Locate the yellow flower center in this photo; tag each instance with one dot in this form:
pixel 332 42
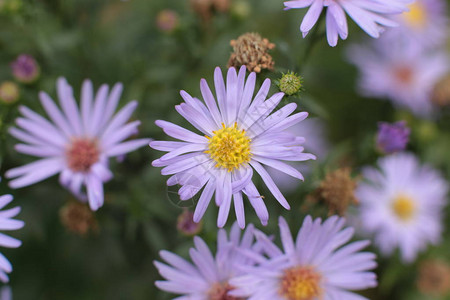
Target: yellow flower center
pixel 229 147
pixel 416 17
pixel 404 207
pixel 301 283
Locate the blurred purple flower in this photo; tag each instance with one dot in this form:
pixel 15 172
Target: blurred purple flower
pixel 403 72
pixel 401 204
pixel 240 134
pixel 371 15
pixel 25 68
pixel 8 223
pixel 426 23
pixel 392 137
pixel 77 144
pixel 316 266
pixel 208 276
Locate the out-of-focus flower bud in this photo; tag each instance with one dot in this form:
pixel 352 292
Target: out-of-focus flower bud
pixel 186 224
pixel 9 92
pixel 392 138
pixel 240 9
pixel 426 131
pixel 167 20
pixel 25 68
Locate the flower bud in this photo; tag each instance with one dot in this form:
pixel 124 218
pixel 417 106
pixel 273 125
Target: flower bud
pixel 9 92
pixel 25 68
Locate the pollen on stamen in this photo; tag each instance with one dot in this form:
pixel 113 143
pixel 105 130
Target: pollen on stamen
pixel 229 147
pixel 82 154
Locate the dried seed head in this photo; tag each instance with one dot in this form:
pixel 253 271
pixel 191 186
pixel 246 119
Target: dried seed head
pixel 441 92
pixel 251 50
pixel 78 218
pixel 337 191
pixel 434 278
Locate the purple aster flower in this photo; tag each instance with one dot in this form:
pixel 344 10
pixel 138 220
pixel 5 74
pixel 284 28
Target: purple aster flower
pixel 77 143
pixel 403 72
pixel 25 68
pixel 401 204
pixel 371 15
pixel 392 137
pixel 426 23
pixel 240 133
pixel 8 223
pixel 318 265
pixel 208 277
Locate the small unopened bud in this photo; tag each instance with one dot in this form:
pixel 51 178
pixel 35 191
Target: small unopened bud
pixel 167 20
pixel 441 92
pixel 25 69
pixel 392 138
pixel 251 50
pixel 9 92
pixel 434 278
pixel 240 9
pixel 290 83
pixel 186 224
pixel 78 218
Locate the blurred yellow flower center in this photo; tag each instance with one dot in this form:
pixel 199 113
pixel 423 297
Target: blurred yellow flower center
pixel 229 147
pixel 416 17
pixel 82 154
pixel 301 283
pixel 404 207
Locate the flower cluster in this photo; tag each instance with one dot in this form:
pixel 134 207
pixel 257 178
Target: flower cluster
pixel 319 264
pixel 408 62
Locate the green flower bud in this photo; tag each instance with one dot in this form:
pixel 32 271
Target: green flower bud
pixel 290 83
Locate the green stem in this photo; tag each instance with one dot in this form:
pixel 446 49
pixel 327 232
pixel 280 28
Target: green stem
pixel 313 39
